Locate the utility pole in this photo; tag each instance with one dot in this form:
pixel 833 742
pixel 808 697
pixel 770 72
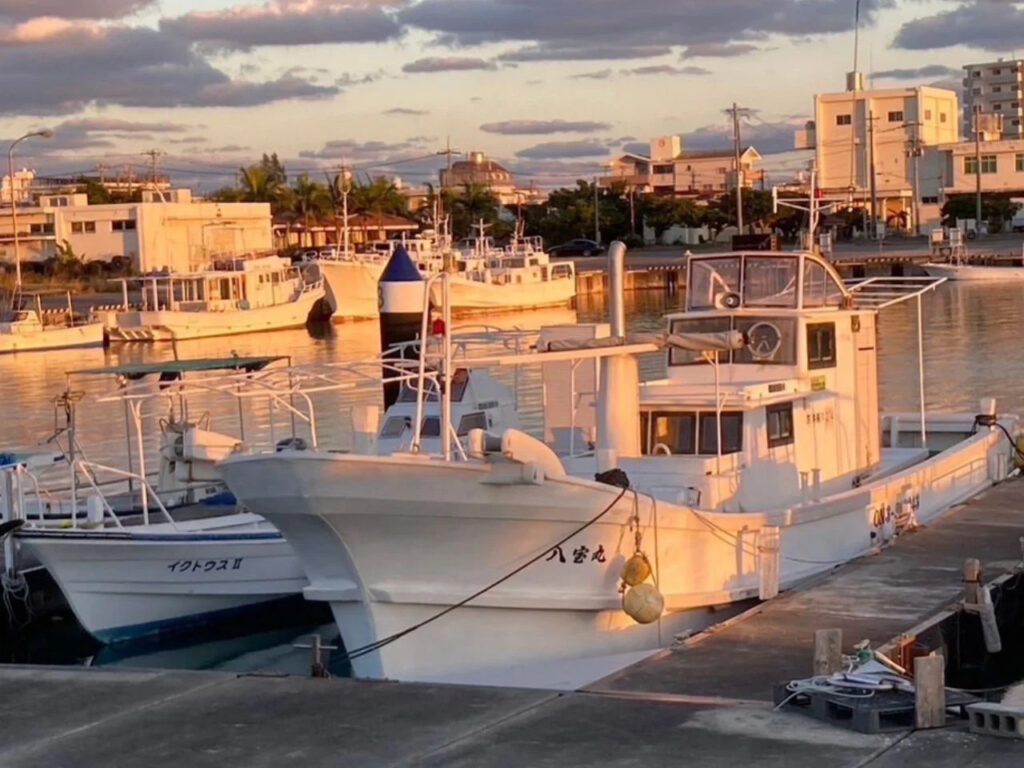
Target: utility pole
pixel 871 171
pixel 344 177
pixel 154 156
pixel 977 169
pixel 597 215
pixel 735 112
pixel 446 179
pixel 914 152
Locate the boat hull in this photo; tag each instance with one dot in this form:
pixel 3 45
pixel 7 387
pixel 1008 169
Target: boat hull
pixel 391 541
pixel 87 335
pixel 351 288
pixel 470 296
pixel 125 587
pixel 170 325
pixel 974 273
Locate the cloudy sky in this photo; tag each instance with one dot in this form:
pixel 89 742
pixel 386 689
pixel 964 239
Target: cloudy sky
pixel 552 88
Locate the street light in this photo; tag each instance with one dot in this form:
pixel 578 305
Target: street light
pixel 44 134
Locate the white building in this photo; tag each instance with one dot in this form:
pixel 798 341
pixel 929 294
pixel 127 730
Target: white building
pixel 864 135
pixel 994 87
pixel 177 235
pixel 671 170
pixel 18 188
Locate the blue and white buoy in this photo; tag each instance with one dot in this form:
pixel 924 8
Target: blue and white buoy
pixel 400 293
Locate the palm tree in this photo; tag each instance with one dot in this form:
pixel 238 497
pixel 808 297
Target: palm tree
pixel 378 197
pixel 308 198
pixel 258 186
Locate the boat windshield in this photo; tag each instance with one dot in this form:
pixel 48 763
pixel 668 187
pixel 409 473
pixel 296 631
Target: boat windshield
pixel 710 278
pixel 770 281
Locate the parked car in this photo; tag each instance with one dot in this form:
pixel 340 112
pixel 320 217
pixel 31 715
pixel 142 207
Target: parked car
pixel 578 247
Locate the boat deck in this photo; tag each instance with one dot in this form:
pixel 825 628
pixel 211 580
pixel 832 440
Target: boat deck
pixel 707 703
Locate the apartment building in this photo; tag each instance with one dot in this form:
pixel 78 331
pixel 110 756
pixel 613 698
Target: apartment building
pixel 994 88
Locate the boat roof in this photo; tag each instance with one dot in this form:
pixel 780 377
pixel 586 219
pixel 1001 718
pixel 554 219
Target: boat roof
pixel 178 367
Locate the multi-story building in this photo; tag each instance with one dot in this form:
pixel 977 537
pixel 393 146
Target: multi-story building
pixel 174 235
pixel 867 143
pixel 671 170
pixel 994 88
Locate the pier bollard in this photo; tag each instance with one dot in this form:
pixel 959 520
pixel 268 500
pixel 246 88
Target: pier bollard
pixel 972 581
pixel 930 691
pixel 828 651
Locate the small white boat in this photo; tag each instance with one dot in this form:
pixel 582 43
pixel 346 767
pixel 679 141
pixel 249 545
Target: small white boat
pixel 27 327
pixel 974 272
pixel 760 460
pixel 237 296
pixel 152 558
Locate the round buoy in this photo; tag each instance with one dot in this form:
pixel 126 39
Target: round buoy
pixel 643 603
pixel 636 570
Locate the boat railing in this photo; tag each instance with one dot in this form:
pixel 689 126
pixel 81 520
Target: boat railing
pixel 88 469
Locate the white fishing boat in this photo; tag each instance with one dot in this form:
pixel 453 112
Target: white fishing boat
pixel 962 270
pixel 135 558
pixel 759 460
pixel 27 327
pixel 236 296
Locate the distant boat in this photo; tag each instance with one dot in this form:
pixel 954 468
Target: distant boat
pixel 236 296
pixel 959 270
pixel 26 327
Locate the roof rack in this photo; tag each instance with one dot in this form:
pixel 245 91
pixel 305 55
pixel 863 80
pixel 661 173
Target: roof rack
pixel 880 293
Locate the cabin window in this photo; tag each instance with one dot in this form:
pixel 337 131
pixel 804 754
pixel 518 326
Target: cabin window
pixel 821 345
pixel 820 288
pixel 676 431
pixel 780 424
pixel 460 380
pixel 732 432
pixel 710 278
pixel 697 325
pixel 770 341
pixel 770 281
pixel 395 426
pixel 431 427
pixel 470 421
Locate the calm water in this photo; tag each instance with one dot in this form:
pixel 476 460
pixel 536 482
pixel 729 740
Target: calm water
pixel 971 337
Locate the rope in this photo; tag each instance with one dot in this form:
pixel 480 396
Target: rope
pixel 378 644
pixel 15 590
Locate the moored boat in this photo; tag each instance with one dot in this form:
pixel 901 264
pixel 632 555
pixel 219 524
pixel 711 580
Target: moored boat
pixel 760 459
pixel 27 327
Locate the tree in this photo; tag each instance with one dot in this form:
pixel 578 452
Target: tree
pixel 258 186
pixel 225 195
pixel 471 205
pixel 663 213
pixel 309 199
pixel 995 209
pixel 96 193
pixel 274 169
pixel 378 198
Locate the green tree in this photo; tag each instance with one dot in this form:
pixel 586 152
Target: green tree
pixel 377 198
pixel 309 199
pixel 995 209
pixel 469 206
pixel 95 192
pixel 663 213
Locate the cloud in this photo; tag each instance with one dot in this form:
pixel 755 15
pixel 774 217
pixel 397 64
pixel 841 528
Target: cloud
pixel 917 73
pixel 540 127
pixel 564 149
pixel 19 10
pixel 363 151
pixel 83 65
pixel 405 111
pixel 281 22
pixel 103 133
pixel 666 69
pixel 637 148
pixel 189 140
pixel 601 74
pixel 573 30
pixel 992 26
pixel 718 50
pixel 446 64
pixel 766 137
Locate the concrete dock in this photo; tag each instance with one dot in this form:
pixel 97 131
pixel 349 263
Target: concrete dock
pixel 705 703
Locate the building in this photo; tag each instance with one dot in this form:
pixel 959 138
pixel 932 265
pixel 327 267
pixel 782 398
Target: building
pixel 671 170
pixel 478 169
pixel 868 142
pixel 362 228
pixel 18 188
pixel 994 88
pixel 176 234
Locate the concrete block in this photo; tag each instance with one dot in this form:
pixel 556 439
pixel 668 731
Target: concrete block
pixel 996 720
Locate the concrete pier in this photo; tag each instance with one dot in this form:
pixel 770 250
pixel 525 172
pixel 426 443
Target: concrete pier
pixel 705 703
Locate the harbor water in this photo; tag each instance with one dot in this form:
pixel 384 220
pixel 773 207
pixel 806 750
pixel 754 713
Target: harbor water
pixel 970 340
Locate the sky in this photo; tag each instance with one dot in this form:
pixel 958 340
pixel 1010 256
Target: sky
pixel 553 89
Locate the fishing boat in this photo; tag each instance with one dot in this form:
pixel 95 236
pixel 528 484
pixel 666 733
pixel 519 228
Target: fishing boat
pixel 760 459
pixel 136 556
pixel 236 296
pixel 963 270
pixel 25 326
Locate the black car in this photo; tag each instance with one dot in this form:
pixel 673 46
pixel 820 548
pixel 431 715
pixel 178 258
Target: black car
pixel 577 247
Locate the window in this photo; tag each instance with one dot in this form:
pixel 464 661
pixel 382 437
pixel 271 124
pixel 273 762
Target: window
pixel 896 117
pixel 1020 162
pixel 394 426
pixel 732 432
pixel 678 356
pixel 663 169
pixel 976 73
pixel 997 89
pixel 820 289
pixel 1015 88
pixel 1014 105
pixel 771 341
pixel 710 277
pixel 927 114
pixel 844 119
pixel 78 227
pixel 676 431
pixel 930 199
pixel 121 225
pixel 780 424
pixel 470 421
pixel 770 281
pixel 997 107
pixel 41 229
pixel 942 117
pixel 821 345
pixel 996 71
pixel 431 427
pixel 976 91
pixel 988 164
